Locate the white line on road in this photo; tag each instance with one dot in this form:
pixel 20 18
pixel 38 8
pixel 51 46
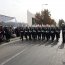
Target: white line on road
pixel 12 57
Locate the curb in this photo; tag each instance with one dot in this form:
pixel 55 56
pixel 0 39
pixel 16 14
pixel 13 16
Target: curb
pixel 11 41
pixel 14 38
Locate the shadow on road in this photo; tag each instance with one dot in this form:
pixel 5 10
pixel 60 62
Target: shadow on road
pixel 63 63
pixel 37 42
pixel 54 43
pixel 48 43
pixel 40 42
pixel 61 46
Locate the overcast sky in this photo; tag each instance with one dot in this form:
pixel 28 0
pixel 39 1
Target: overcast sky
pixel 18 8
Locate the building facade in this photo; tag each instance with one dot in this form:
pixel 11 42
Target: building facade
pixel 30 18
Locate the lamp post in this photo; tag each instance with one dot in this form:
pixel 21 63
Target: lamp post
pixel 43 5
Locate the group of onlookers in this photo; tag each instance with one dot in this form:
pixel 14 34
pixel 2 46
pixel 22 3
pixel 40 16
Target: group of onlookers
pixel 6 33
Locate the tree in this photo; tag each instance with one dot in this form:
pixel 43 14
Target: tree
pixel 61 21
pixel 53 22
pixel 38 18
pixel 44 18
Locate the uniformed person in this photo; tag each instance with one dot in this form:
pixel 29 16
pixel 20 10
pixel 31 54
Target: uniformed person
pixel 17 32
pixel 43 33
pixel 63 33
pixel 30 33
pixel 39 33
pixel 52 33
pixel 21 33
pixel 48 33
pixel 26 32
pixel 57 33
pixel 34 33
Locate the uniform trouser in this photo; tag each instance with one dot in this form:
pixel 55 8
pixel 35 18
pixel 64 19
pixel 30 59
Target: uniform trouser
pixel 52 36
pixel 29 36
pixel 1 38
pixel 43 36
pixel 63 37
pixel 7 37
pixel 34 36
pixel 39 36
pixel 26 36
pixel 22 36
pixel 17 34
pixel 57 36
pixel 48 36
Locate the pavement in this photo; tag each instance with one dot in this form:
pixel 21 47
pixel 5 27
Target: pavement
pixel 32 52
pixel 12 40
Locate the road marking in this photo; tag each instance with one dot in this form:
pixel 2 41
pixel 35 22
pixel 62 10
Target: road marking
pixel 12 57
pixel 10 42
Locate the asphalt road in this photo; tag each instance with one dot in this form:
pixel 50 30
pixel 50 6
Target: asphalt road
pixel 32 53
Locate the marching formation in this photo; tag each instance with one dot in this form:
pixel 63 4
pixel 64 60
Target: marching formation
pixel 32 33
pixel 40 33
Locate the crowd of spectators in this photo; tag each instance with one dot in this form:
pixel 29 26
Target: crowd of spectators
pixel 6 33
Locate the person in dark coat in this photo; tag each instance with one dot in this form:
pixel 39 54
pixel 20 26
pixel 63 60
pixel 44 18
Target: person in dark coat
pixel 39 33
pixel 1 33
pixel 57 33
pixel 26 30
pixel 34 33
pixel 52 33
pixel 17 32
pixel 30 33
pixel 21 33
pixel 48 33
pixel 7 33
pixel 43 33
pixel 63 33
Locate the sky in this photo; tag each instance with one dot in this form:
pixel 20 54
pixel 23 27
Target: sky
pixel 18 8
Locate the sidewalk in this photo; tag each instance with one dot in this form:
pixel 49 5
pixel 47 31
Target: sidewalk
pixel 11 41
pixel 16 38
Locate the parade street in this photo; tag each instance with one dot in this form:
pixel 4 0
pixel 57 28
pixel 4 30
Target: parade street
pixel 32 32
pixel 36 52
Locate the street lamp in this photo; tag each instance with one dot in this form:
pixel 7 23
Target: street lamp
pixel 43 5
